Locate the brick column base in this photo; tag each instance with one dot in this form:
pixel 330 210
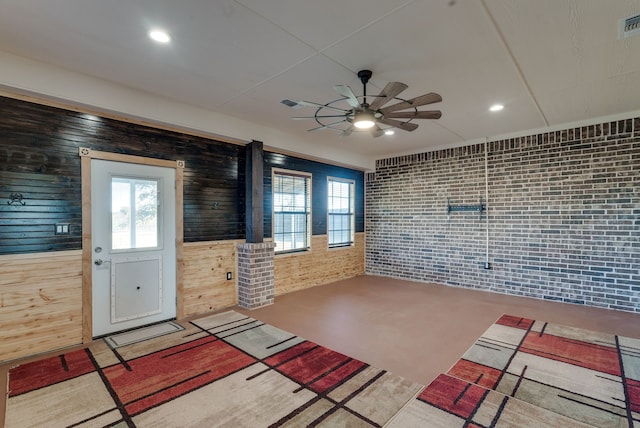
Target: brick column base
pixel 255 274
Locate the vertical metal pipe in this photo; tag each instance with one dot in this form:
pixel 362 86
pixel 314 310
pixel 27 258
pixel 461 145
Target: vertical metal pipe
pixel 487 264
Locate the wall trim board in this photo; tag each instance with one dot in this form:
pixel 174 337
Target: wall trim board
pixel 305 156
pixel 122 117
pixel 30 256
pixel 117 157
pixel 86 155
pixel 214 243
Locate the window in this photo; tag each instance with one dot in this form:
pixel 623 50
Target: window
pixel 340 209
pixel 134 213
pixel 291 211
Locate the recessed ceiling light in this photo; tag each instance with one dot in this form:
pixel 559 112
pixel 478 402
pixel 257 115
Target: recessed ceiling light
pixel 389 132
pixel 159 36
pixel 496 107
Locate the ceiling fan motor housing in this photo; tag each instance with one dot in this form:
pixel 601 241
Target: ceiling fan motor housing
pixel 364 76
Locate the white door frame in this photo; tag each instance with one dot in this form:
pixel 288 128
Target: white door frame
pixel 86 155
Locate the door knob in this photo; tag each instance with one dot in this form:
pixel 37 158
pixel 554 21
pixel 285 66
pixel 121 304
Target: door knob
pixel 98 262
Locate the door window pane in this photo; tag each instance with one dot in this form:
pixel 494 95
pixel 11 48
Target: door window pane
pixel 134 213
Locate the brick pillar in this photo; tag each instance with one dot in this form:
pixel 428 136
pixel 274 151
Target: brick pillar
pixel 255 274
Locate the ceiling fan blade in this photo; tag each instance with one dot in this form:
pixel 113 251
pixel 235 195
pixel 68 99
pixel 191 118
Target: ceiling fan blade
pixel 328 125
pixel 388 93
pixel 346 92
pixel 407 126
pixel 348 131
pixel 377 132
pixel 310 104
pixel 414 102
pixel 430 114
pixel 316 117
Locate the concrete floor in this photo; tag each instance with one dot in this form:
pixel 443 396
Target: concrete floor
pixel 411 329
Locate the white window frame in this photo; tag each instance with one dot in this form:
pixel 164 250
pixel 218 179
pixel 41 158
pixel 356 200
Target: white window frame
pixel 351 214
pixel 159 225
pixel 296 174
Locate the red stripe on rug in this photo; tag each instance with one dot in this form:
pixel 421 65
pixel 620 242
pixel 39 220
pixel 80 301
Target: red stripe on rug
pixel 336 377
pixel 633 392
pixel 39 374
pixel 453 395
pixel 476 373
pixel 582 354
pixel 517 322
pixel 290 353
pixel 312 364
pixel 172 372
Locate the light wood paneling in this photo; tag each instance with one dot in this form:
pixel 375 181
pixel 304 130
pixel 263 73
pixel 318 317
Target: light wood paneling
pixel 180 241
pixel 319 266
pixel 87 271
pixel 119 157
pixel 41 294
pixel 206 287
pixel 40 303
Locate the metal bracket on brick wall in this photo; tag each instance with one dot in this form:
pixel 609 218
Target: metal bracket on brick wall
pixel 478 208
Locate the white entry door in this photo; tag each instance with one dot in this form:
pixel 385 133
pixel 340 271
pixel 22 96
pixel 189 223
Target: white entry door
pixel 133 240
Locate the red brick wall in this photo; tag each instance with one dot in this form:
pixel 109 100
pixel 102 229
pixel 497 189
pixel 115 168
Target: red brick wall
pixel 564 216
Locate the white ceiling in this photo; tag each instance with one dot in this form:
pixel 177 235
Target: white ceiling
pixel 550 62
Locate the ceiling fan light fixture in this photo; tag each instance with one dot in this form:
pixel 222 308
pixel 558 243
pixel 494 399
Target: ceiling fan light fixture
pixel 159 36
pixel 364 120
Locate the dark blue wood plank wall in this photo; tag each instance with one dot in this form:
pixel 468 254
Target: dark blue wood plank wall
pixel 40 176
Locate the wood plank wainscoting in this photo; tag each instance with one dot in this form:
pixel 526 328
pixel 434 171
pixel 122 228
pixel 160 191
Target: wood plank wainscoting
pixel 206 264
pixel 206 287
pixel 41 293
pixel 321 265
pixel 40 302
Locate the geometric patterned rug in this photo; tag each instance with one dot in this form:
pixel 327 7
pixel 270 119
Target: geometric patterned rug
pixel 523 372
pixel 223 370
pixel 142 334
pixel 449 402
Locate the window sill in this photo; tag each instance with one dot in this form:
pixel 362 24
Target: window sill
pixel 341 247
pixel 292 253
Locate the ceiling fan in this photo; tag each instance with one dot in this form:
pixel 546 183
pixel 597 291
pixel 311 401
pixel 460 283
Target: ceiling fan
pixel 372 115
